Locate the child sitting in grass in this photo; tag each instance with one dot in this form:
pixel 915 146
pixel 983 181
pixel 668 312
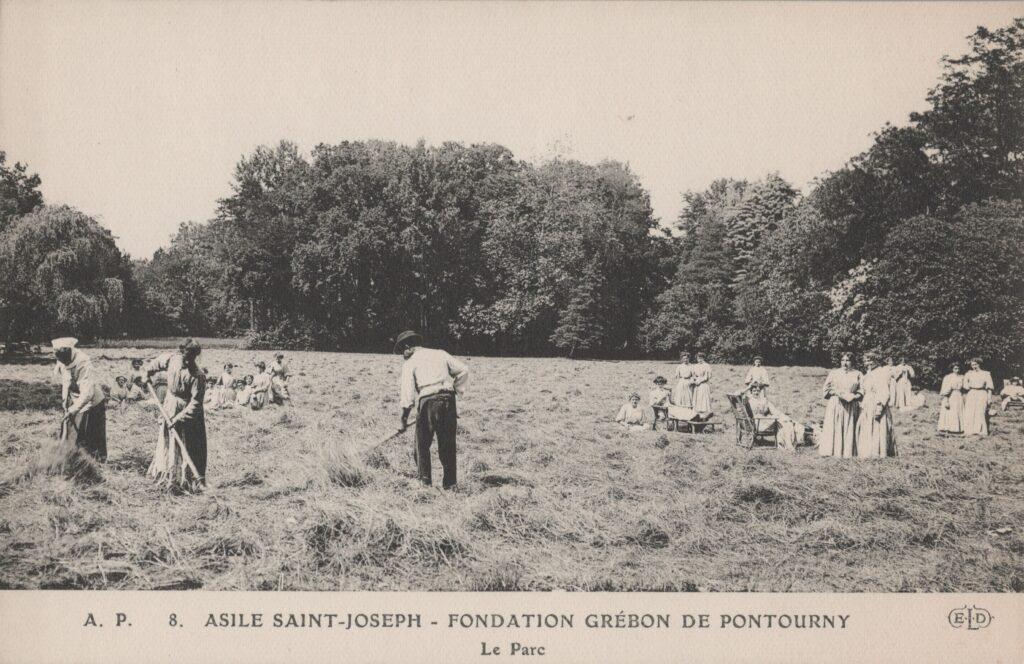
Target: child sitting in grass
pixel 633 415
pixel 659 399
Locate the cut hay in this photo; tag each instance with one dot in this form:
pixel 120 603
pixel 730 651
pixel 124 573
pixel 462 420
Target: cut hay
pixel 304 498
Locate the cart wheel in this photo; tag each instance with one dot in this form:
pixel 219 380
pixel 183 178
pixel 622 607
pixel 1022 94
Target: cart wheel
pixel 670 425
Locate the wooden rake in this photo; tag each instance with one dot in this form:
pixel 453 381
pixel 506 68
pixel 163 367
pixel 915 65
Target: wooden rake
pixel 174 435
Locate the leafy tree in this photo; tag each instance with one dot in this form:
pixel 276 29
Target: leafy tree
pixel 184 284
pixel 571 254
pixel 19 192
pixel 63 272
pixel 975 126
pixel 785 294
pixel 943 289
pixel 760 209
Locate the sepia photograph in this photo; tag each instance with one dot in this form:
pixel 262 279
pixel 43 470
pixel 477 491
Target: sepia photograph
pixel 583 297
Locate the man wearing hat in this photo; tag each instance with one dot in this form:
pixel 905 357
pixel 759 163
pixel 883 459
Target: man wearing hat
pixel 82 398
pixel 430 380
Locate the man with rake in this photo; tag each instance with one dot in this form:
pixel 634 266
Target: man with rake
pixel 430 380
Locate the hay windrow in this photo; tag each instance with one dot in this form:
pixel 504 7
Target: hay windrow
pixel 552 495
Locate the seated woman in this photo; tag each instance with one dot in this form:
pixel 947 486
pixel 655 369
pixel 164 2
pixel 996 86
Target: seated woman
pixel 632 415
pixel 261 385
pixel 244 391
pixel 1012 392
pixel 659 399
pixel 119 394
pixel 769 418
pixel 138 380
pixel 225 388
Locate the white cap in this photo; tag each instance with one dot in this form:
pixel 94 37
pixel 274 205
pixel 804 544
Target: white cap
pixel 64 342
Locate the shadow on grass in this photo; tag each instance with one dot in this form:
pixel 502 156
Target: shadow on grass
pixel 24 395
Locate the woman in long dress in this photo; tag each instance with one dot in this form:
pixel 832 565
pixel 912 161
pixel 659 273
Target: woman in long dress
pixel 682 393
pixel 875 434
pixel 842 393
pixel 183 404
pixel 225 388
pixel 260 396
pixel 904 388
pixel 757 374
pixel 951 411
pixel 769 418
pixel 700 374
pixel 978 387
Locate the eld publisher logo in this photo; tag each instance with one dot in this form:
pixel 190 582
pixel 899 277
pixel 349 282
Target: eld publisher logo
pixel 970 617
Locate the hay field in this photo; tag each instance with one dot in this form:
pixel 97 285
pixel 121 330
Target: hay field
pixel 553 494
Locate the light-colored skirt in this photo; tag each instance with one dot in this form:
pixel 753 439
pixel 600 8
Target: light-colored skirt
pixel 951 413
pixel 839 432
pixel 682 394
pixel 975 418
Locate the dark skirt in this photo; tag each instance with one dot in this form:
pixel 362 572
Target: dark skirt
pixel 88 430
pixel 258 400
pixel 193 434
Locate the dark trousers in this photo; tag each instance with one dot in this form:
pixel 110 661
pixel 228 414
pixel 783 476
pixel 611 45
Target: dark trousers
pixel 436 415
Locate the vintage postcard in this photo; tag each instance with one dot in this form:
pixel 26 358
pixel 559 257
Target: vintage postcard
pixel 476 332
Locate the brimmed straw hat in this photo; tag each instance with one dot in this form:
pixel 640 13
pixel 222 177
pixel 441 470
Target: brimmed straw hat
pixel 660 380
pixel 634 395
pixel 407 338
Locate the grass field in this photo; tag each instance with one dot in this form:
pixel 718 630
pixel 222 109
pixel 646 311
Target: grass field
pixel 553 494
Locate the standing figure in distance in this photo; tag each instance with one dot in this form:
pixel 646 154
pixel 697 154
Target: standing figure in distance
pixel 700 376
pixel 82 399
pixel 758 374
pixel 682 393
pixel 842 392
pixel 978 387
pixel 904 388
pixel 430 381
pixel 951 410
pixel 875 434
pixel 278 371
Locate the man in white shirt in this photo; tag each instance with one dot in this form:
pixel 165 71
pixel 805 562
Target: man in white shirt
pixel 430 380
pixel 82 398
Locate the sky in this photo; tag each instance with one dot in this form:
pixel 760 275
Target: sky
pixel 136 113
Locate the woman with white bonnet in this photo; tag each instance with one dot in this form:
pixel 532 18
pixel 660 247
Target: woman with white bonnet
pixel 82 398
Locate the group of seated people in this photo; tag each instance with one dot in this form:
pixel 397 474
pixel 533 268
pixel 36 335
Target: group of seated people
pixel 690 402
pixel 264 386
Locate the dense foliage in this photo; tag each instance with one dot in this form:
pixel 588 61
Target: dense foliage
pixel 914 247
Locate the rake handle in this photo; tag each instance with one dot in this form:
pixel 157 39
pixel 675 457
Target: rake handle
pixel 173 433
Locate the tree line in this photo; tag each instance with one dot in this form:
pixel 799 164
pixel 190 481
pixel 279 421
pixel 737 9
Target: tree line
pixel 914 247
